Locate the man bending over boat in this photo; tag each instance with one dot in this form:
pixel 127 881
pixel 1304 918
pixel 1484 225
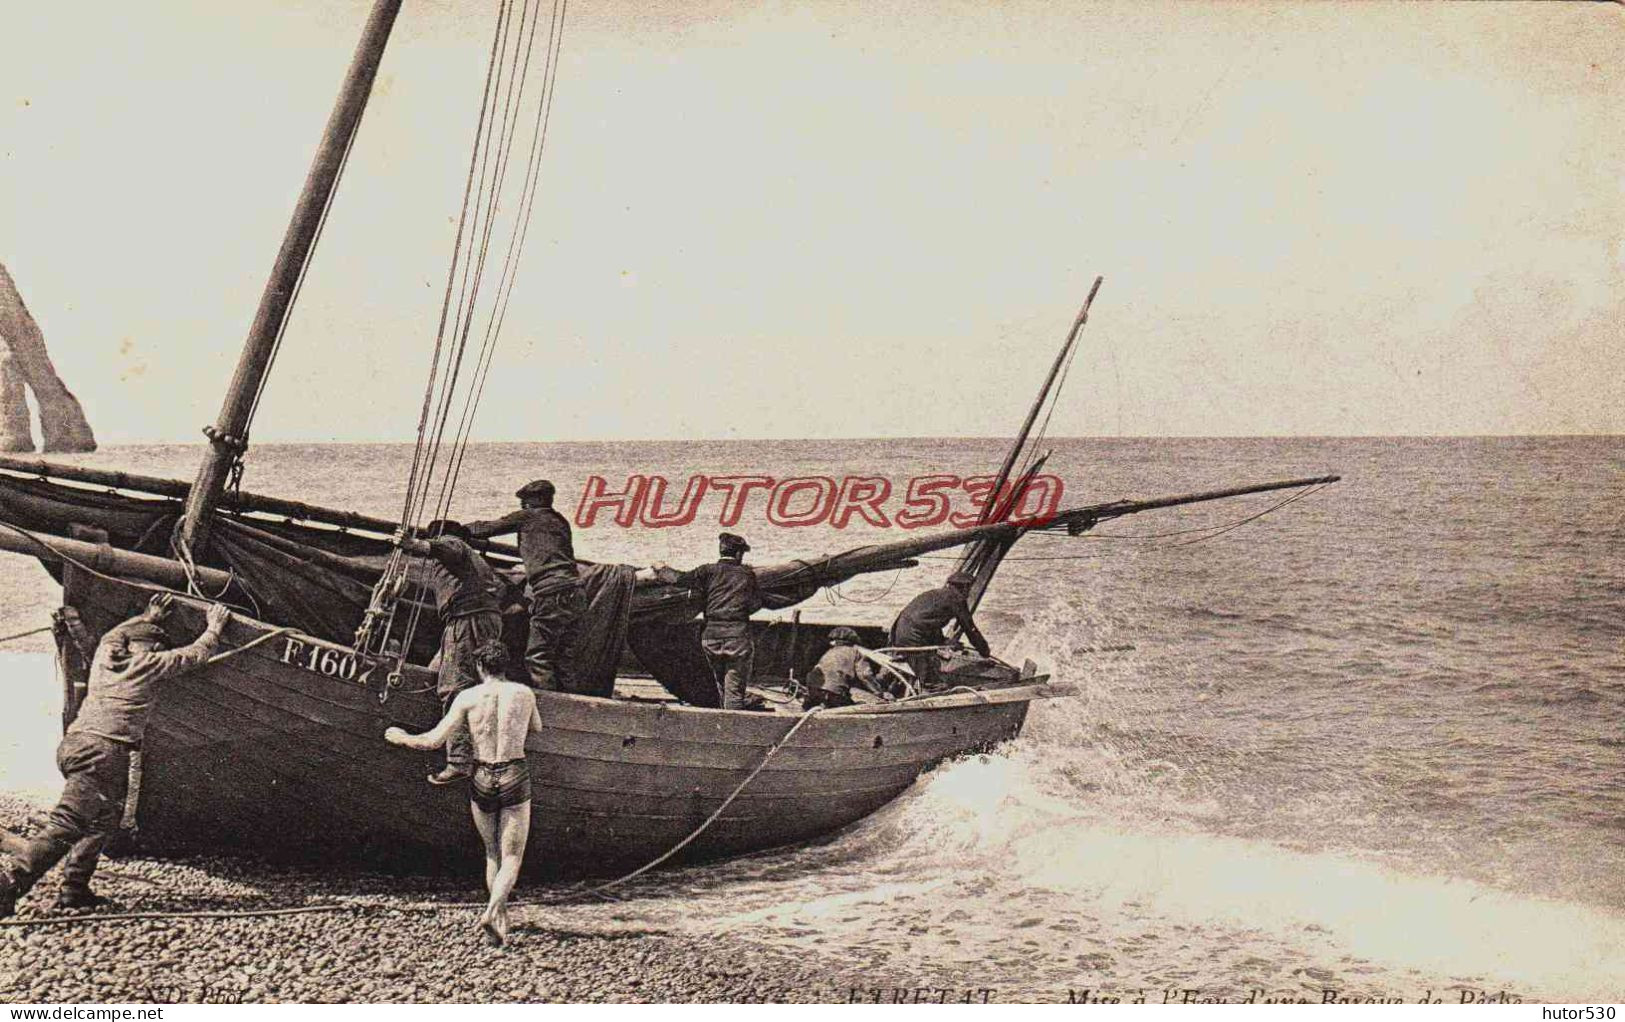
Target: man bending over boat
pixel 466 593
pixel 500 715
pixel 551 579
pixel 918 628
pixel 94 755
pixel 841 670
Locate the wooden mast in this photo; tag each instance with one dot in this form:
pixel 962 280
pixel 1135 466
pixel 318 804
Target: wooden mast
pixel 227 435
pixel 982 559
pixel 993 498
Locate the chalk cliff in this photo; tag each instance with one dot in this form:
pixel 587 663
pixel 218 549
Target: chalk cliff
pixel 24 362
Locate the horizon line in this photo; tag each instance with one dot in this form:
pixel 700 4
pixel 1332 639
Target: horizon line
pixel 873 439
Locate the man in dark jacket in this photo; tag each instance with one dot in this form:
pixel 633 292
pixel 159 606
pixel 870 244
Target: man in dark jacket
pixel 94 755
pixel 842 668
pixel 732 595
pixel 466 594
pixel 921 623
pixel 551 580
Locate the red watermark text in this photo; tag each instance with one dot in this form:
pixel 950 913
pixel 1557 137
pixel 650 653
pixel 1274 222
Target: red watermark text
pixel 930 501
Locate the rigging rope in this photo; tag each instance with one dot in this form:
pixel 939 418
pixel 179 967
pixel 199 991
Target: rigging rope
pixel 516 244
pixel 493 132
pixel 472 313
pixel 474 276
pixel 451 274
pixel 293 302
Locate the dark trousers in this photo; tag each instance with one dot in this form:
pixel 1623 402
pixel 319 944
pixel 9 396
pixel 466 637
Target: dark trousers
pixel 824 697
pixel 458 641
pixel 96 779
pixel 927 668
pixel 554 619
pixel 731 659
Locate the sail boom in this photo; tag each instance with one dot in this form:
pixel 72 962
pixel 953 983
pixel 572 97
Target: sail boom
pixel 835 568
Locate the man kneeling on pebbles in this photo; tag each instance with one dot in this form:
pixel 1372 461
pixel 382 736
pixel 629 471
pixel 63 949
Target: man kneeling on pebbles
pixel 94 756
pixel 499 714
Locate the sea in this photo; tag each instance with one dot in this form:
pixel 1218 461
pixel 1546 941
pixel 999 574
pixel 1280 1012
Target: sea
pixel 1368 743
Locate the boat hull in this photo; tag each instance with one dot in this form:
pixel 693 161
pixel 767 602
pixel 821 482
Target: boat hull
pixel 278 752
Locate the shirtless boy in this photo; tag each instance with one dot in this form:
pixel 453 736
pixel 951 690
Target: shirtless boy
pixel 500 715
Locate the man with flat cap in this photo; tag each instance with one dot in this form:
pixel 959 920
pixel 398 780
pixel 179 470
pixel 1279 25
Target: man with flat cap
pixel 551 580
pixel 841 669
pixel 94 754
pixel 920 625
pixel 732 595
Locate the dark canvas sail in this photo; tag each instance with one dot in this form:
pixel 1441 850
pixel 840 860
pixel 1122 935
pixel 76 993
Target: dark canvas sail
pixel 319 580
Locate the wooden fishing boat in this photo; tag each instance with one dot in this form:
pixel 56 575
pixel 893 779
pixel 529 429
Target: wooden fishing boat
pixel 275 747
pixel 277 750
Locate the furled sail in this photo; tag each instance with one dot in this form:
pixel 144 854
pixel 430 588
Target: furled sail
pixel 320 579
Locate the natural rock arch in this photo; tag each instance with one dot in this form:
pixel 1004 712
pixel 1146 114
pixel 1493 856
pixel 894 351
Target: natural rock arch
pixel 24 362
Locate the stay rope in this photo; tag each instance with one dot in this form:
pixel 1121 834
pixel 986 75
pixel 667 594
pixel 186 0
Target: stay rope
pixel 234 480
pixel 472 314
pixel 516 245
pixel 491 132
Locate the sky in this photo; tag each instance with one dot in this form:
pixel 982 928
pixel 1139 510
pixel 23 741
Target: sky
pixel 844 219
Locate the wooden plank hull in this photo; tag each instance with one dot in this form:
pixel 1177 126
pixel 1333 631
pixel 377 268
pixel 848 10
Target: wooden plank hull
pixel 278 751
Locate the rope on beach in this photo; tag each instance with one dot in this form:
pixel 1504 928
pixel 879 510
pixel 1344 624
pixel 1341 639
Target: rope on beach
pixel 234 914
pixel 679 846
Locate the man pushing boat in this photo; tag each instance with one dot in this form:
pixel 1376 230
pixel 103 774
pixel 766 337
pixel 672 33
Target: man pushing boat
pixel 94 755
pixel 500 715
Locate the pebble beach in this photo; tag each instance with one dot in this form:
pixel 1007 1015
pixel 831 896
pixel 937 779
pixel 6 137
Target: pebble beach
pixel 396 940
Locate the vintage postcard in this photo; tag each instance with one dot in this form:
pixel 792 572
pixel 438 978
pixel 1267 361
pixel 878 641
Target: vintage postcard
pixel 509 501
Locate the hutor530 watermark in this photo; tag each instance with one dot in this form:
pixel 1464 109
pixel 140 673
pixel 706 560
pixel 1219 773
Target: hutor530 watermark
pixel 923 502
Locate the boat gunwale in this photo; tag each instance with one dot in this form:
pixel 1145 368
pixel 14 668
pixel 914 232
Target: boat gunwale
pixel 642 712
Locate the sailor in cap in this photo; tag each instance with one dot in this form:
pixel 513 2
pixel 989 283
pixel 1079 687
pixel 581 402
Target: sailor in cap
pixel 732 595
pixel 548 550
pixel 920 625
pixel 467 594
pixel 842 668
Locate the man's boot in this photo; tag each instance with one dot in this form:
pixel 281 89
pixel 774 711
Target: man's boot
pixel 75 896
pixel 459 751
pixel 15 881
pixel 452 772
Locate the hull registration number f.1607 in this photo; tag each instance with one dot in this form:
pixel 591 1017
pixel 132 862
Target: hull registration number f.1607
pixel 345 665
